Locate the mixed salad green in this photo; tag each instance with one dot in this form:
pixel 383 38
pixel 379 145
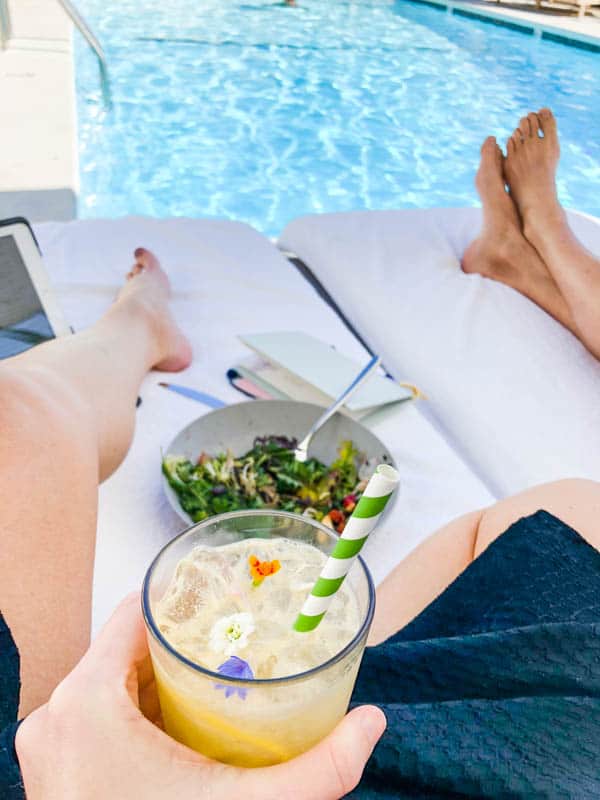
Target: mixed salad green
pixel 268 476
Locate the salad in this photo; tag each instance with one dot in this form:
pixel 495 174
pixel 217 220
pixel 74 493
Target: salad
pixel 268 476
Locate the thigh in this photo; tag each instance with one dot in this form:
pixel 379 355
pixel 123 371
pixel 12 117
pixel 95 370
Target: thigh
pixel 48 505
pixel 574 501
pixel 439 560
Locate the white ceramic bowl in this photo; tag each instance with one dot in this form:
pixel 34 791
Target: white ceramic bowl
pixel 235 428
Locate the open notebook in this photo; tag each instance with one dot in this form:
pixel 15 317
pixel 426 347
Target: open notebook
pixel 296 365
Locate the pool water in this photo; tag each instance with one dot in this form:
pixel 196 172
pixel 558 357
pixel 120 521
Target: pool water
pixel 259 112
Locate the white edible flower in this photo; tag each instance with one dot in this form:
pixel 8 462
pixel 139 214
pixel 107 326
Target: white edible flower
pixel 230 634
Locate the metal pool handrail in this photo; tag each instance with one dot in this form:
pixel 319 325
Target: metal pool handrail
pixel 85 30
pixel 5 26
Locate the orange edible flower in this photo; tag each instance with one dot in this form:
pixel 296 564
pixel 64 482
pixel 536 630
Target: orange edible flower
pixel 261 569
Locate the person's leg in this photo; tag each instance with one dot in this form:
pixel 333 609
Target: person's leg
pixel 532 157
pixel 440 559
pixel 67 413
pixel 502 252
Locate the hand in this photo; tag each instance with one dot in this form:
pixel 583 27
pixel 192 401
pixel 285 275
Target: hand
pixel 91 740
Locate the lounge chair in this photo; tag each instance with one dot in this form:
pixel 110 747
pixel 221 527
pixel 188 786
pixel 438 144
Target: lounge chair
pixel 512 395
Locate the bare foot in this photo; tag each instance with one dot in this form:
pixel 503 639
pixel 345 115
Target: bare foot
pixel 530 168
pixel 149 290
pixel 501 252
pixel 498 250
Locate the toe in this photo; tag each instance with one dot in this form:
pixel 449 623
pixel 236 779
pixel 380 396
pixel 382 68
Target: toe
pixel 488 144
pixel 524 127
pixel 145 258
pixel 547 121
pixel 517 140
pixel 135 270
pixel 499 155
pixel 489 150
pixel 490 166
pixel 490 183
pixel 534 124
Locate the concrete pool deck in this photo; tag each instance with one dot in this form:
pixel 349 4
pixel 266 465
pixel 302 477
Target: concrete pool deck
pixel 558 22
pixel 39 169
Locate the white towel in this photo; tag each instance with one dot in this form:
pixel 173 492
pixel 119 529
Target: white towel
pixel 517 393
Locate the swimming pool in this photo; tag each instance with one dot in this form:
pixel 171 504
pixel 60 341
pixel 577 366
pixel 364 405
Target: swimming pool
pixel 259 112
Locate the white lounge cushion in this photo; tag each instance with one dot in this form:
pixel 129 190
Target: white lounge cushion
pixel 227 280
pixel 518 394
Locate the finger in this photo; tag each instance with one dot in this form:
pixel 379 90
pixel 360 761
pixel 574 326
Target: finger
pixel 145 673
pixel 149 705
pixel 329 770
pixel 120 647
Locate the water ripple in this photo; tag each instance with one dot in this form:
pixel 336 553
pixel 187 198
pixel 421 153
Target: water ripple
pixel 263 112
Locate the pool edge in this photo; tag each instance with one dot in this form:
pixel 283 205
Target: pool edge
pixel 520 21
pixel 40 174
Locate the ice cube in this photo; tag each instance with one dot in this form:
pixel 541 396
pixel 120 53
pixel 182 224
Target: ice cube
pixel 280 599
pixel 183 605
pixel 193 587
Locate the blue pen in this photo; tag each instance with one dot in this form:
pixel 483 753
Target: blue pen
pixel 200 397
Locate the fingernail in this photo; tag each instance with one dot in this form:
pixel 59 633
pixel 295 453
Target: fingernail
pixel 373 723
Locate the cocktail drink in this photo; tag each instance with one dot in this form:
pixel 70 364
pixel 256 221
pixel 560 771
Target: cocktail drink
pixel 236 682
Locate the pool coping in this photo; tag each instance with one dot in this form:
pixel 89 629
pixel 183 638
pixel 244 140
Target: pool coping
pixel 39 177
pixel 550 28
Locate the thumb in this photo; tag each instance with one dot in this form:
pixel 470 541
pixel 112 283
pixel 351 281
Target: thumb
pixel 332 768
pixel 121 645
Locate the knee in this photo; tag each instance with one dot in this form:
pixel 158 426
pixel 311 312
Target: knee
pixel 575 501
pixel 571 492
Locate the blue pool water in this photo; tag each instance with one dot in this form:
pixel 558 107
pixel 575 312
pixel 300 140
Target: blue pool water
pixel 251 110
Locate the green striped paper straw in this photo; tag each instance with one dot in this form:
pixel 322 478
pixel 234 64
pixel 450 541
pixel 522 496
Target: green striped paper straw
pixel 364 519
